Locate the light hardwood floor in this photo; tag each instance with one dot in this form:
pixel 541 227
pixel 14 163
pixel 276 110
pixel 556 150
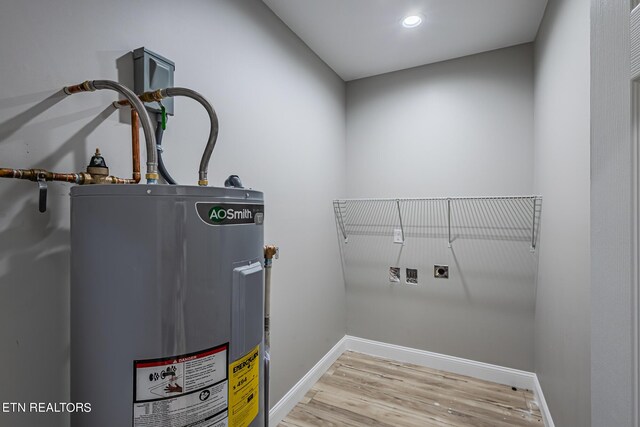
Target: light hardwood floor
pixel 360 390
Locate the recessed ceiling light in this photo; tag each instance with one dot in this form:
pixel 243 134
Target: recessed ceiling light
pixel 412 21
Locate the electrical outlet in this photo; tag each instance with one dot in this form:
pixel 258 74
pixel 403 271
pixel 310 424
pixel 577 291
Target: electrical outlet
pixel 441 271
pixel 397 236
pixel 394 274
pixel 412 276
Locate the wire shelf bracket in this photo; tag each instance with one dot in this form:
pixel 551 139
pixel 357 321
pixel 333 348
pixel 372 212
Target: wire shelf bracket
pixel 400 218
pixel 338 207
pixel 449 222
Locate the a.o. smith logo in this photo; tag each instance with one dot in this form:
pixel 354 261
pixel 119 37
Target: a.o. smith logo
pixel 230 214
pixel 219 214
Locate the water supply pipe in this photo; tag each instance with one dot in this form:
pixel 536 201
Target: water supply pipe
pixel 152 155
pixel 135 145
pixel 98 174
pixel 213 131
pixel 270 252
pixel 164 173
pixel 85 177
pixel 41 176
pixel 74 178
pixel 160 94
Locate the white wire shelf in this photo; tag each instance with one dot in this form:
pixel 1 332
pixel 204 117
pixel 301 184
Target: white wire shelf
pixel 514 218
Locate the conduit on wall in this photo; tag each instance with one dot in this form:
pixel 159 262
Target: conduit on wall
pixel 513 218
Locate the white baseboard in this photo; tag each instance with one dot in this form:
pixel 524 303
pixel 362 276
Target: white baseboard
pixel 456 365
pixel 297 392
pixel 480 370
pixel 542 404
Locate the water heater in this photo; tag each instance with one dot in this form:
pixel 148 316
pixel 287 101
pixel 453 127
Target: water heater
pixel 167 304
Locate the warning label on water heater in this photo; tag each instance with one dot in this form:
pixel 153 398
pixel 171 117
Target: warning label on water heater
pixel 188 390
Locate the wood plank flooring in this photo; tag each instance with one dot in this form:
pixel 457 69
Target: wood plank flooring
pixel 365 391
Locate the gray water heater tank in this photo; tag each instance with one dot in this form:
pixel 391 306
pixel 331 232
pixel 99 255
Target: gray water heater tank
pixel 167 301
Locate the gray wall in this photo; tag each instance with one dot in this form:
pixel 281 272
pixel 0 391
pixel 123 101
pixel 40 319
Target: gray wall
pixel 562 175
pixel 457 128
pixel 282 130
pixel 614 216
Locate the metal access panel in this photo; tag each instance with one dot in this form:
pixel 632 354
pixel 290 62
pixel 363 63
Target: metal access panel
pixel 167 305
pixel 152 72
pixel 247 308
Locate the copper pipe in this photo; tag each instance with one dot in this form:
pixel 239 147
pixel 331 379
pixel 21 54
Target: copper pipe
pixel 88 178
pixel 35 174
pixel 159 94
pixel 116 180
pixel 152 154
pixel 270 252
pixel 135 145
pixel 74 178
pixel 155 96
pixel 135 138
pixel 82 87
pixel 65 177
pixel 83 177
pixel 121 103
pixel 152 96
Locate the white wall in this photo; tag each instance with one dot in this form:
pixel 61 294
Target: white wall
pixel 282 129
pixel 458 128
pixel 562 175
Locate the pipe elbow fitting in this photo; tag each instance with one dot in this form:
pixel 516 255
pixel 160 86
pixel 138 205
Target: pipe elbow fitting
pixel 86 86
pixel 155 96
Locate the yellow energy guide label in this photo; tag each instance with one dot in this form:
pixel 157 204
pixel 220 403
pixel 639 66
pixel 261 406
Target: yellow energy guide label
pixel 244 383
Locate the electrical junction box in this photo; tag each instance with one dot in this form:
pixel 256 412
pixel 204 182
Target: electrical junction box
pixel 152 72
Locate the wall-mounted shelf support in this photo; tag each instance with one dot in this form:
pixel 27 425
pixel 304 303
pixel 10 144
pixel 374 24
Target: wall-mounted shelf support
pixel 449 220
pixel 400 217
pixel 533 225
pixel 337 209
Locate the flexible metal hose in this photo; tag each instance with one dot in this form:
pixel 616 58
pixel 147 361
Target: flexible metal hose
pixel 213 132
pixel 152 155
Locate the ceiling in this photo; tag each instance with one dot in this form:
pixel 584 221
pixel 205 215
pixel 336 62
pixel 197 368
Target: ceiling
pixel 362 38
